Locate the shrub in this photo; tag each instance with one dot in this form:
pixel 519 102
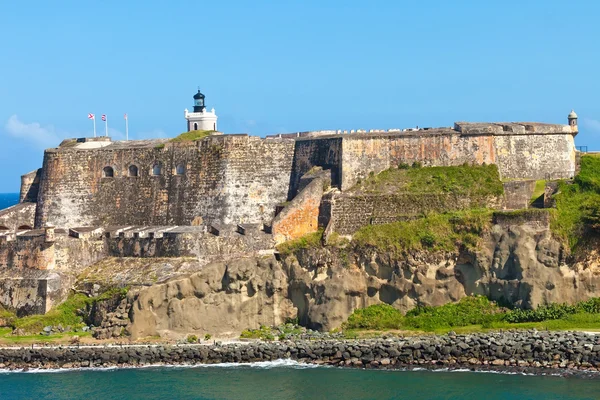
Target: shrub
pixel 403 165
pixel 192 339
pixel 468 311
pixel 263 333
pixel 305 242
pixel 208 336
pixel 417 164
pixel 379 316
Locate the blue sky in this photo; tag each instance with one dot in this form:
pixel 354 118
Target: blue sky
pixel 285 66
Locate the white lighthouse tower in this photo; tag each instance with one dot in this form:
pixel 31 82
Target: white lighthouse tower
pixel 200 119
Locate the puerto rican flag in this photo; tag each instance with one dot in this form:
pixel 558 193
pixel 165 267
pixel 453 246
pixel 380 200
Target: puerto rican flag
pixel 91 116
pixel 103 117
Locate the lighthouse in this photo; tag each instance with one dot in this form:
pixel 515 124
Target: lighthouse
pixel 200 119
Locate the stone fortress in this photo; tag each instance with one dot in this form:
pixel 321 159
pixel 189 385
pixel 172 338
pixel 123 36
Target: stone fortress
pixel 233 195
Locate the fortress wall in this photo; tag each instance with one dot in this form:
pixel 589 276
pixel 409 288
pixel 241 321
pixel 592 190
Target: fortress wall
pixel 27 251
pixel 74 193
pixel 536 156
pixel 363 154
pixel 203 246
pixel 309 153
pixel 257 177
pixel 19 215
pixel 349 213
pixel 30 183
pixel 226 179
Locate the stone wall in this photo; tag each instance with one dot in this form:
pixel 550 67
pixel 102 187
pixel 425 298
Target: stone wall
pixel 301 215
pixel 310 153
pixel 30 184
pixel 349 212
pixel 231 178
pixel 189 242
pixel 515 352
pixel 18 216
pixel 364 153
pixel 519 155
pixel 518 194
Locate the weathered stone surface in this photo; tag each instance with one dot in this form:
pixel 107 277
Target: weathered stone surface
pixel 220 299
pixel 301 215
pixel 19 216
pixel 228 179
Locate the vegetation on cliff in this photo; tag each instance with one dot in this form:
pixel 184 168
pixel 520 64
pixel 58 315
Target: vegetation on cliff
pixel 310 240
pixel 437 232
pixel 70 313
pixel 191 136
pixel 472 180
pixel 476 313
pixel 577 215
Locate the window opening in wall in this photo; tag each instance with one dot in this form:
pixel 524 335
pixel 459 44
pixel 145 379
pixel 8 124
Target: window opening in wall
pixel 180 170
pixel 108 172
pixel 156 169
pixel 195 126
pixel 133 170
pixel 24 228
pixel 3 228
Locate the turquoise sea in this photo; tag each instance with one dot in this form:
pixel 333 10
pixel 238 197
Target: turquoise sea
pixel 284 380
pixel 8 199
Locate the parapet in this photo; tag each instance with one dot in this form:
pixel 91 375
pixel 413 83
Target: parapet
pixel 510 128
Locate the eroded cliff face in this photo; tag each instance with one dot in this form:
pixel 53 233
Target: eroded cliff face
pixel 222 299
pixel 522 265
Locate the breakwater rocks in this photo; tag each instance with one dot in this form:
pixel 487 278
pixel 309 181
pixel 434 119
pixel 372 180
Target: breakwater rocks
pixel 508 350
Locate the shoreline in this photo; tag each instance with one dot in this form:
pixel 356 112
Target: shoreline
pixel 528 352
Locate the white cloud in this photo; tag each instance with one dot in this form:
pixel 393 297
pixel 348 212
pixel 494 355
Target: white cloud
pixel 591 124
pixel 43 136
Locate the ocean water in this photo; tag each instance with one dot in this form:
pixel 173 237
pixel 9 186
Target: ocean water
pixel 286 380
pixel 8 199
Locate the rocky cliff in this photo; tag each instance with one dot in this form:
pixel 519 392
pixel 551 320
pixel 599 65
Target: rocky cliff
pixel 519 264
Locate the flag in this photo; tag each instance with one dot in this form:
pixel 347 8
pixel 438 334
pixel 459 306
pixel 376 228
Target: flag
pixel 91 116
pixel 103 117
pixel 125 117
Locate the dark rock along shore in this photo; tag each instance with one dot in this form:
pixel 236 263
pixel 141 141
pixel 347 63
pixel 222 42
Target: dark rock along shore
pixel 531 350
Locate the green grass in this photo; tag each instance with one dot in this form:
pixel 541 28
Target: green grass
pixel 438 232
pixel 540 188
pixel 577 216
pixel 263 333
pixel 379 317
pixel 65 314
pixel 7 337
pixel 307 241
pixel 473 314
pixel 68 313
pixel 191 136
pixel 471 180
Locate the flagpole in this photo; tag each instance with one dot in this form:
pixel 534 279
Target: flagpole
pixel 126 127
pixel 105 126
pixel 94 121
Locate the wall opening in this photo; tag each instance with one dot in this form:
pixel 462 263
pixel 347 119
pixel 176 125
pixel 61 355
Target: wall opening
pixel 24 228
pixel 157 169
pixel 180 169
pixel 195 126
pixel 3 229
pixel 133 170
pixel 108 172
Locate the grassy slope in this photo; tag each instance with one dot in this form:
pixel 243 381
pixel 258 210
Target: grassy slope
pixel 472 314
pixel 473 180
pixel 191 136
pixel 577 204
